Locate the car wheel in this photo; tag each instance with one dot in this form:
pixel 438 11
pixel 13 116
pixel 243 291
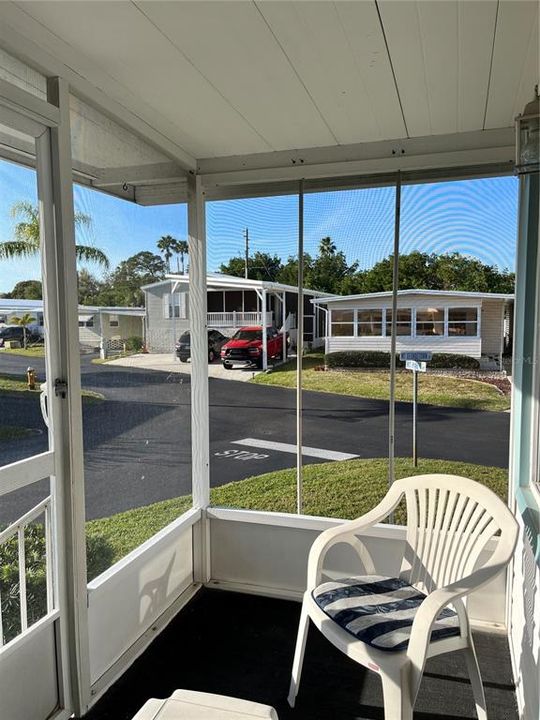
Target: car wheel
pixel 211 356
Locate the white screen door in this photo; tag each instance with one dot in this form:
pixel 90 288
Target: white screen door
pixel 31 615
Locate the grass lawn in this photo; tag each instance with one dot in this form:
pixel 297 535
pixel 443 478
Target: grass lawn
pixel 13 432
pixel 12 383
pixel 339 489
pixel 37 351
pixel 432 389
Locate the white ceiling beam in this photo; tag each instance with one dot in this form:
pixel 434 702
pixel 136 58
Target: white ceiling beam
pixel 16 26
pixel 150 174
pixel 437 151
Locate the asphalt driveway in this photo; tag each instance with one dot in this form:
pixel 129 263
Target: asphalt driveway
pixel 137 440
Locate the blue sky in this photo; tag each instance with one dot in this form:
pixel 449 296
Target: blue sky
pixel 476 218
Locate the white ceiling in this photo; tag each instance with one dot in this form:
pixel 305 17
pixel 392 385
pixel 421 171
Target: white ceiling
pixel 232 78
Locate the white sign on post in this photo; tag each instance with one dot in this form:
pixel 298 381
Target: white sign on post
pixel 415 366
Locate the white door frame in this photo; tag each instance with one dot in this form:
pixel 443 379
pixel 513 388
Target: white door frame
pixel 48 123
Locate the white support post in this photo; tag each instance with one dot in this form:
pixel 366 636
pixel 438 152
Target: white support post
pixel 65 408
pixel 393 339
pixel 283 321
pixel 200 417
pixel 264 338
pixel 200 411
pixel 299 349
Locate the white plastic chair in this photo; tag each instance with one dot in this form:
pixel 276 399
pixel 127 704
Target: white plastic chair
pixel 450 520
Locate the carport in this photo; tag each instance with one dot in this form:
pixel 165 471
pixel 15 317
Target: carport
pixel 189 102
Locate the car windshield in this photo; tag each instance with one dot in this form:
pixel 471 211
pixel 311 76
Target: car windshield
pixel 247 335
pixel 184 338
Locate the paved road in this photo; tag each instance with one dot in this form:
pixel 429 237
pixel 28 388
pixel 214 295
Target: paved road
pixel 137 441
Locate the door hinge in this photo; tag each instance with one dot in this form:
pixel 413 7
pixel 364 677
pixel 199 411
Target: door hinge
pixel 60 388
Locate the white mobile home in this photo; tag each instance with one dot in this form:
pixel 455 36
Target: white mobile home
pixel 231 303
pixel 100 328
pixel 462 323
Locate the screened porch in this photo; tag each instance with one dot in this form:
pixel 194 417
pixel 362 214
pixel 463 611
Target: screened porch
pixel 201 106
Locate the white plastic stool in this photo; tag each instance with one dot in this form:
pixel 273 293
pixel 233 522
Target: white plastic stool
pixel 190 705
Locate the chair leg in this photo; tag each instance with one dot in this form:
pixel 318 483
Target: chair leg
pixel 476 680
pixel 396 696
pixel 298 656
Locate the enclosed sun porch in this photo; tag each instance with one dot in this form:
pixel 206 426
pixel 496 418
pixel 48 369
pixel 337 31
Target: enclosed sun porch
pixel 200 104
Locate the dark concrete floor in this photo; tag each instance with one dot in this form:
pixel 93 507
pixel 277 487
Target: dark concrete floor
pixel 242 645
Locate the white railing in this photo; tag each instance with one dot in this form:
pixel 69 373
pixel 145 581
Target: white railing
pixel 17 529
pixel 237 319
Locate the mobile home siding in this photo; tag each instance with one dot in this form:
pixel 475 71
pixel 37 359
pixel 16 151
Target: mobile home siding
pixel 90 337
pixel 492 327
pixel 471 346
pixel 162 332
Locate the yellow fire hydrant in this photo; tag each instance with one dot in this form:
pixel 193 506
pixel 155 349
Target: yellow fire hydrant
pixel 31 378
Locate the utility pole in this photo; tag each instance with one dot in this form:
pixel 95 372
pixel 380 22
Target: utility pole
pixel 246 261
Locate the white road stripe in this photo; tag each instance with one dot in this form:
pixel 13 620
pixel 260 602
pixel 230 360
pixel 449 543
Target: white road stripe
pixel 286 447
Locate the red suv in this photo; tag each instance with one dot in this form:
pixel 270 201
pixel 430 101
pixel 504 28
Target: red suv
pixel 246 345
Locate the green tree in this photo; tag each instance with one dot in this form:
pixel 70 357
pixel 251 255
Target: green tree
pixel 261 266
pixel 26 240
pixel 330 268
pixel 288 275
pixel 26 290
pixel 24 321
pixel 89 288
pixel 429 271
pixel 123 286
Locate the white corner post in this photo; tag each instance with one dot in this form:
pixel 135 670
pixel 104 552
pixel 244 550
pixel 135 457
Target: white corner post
pixel 56 191
pixel 393 339
pixel 264 337
pixel 200 411
pixel 283 322
pixel 299 347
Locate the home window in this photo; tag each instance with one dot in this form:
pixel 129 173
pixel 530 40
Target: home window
pixel 430 321
pixel 342 323
pixel 463 322
pixel 113 321
pixel 403 322
pixel 369 323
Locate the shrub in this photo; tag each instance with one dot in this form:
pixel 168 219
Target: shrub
pixel 380 359
pixel 134 344
pixel 450 361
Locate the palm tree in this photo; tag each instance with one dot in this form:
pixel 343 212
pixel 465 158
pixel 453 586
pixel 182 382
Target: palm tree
pixel 26 242
pixel 327 247
pixel 23 322
pixel 182 249
pixel 169 246
pixel 165 246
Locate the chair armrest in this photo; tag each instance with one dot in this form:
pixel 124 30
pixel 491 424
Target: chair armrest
pixel 431 607
pixel 342 533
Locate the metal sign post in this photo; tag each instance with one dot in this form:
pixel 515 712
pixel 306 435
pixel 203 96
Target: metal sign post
pixel 416 362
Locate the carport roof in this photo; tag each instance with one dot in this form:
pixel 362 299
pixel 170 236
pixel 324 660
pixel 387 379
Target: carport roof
pixel 222 281
pixel 88 310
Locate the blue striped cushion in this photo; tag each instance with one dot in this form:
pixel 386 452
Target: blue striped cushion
pixel 379 611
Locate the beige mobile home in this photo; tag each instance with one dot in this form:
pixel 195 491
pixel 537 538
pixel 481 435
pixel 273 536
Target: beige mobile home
pixel 462 323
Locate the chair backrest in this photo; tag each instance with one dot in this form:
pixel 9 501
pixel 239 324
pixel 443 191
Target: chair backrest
pixel 450 520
